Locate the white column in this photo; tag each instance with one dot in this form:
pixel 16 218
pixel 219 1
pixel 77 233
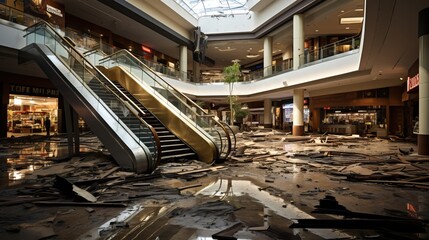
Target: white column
pixel 268 56
pixel 298 112
pixel 268 119
pixel 183 62
pixel 298 39
pixel 423 137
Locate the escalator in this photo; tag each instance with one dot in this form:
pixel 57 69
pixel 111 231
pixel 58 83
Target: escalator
pixel 210 138
pixel 109 112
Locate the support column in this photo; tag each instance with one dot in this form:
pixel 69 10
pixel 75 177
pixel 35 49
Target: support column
pixel 4 101
pixel 72 126
pixel 423 137
pixel 298 112
pixel 298 39
pixel 183 62
pixel 268 56
pixel 197 69
pixel 268 116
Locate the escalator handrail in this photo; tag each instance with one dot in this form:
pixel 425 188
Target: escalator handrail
pixel 177 91
pixel 85 61
pixel 156 74
pixel 226 125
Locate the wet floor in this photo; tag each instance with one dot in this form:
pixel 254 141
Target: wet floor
pixel 24 157
pixel 231 190
pixel 252 200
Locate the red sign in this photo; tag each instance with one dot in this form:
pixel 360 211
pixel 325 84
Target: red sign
pixel 146 49
pixel 413 82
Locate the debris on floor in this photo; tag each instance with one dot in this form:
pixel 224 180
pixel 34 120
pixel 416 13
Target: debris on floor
pixel 271 179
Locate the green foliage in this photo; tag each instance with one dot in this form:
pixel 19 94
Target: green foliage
pixel 232 73
pixel 241 110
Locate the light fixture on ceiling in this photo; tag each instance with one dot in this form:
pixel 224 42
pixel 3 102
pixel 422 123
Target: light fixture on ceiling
pixel 347 28
pixel 249 55
pixel 228 49
pixel 316 30
pixel 351 20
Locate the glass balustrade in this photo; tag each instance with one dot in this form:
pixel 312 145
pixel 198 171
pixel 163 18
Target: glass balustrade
pixel 189 110
pixel 110 99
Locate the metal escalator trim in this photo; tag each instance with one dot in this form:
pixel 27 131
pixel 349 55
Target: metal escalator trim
pixel 108 57
pixel 233 145
pixel 158 146
pixel 54 69
pixel 71 49
pixel 199 142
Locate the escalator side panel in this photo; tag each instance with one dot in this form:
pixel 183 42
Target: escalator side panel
pixel 128 154
pixel 204 147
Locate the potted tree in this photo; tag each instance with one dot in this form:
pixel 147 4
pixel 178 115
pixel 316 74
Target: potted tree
pixel 232 75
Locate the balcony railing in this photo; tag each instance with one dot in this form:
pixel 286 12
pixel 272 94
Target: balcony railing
pixel 16 16
pixel 330 50
pixel 323 52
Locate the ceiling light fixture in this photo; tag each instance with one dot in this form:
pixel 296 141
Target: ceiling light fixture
pixel 351 20
pixel 252 55
pixel 228 49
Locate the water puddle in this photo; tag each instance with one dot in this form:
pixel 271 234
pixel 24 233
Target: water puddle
pixel 113 224
pixel 137 216
pixel 225 188
pixel 18 160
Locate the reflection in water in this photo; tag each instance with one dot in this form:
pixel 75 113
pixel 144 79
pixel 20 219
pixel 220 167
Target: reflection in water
pixel 224 188
pixel 25 161
pixel 110 228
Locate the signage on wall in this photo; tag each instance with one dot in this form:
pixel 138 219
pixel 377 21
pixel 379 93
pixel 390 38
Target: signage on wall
pixel 413 82
pixel 33 91
pixel 54 10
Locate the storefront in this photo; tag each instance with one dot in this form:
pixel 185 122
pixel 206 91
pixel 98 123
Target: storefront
pixel 27 114
pixel 288 115
pixel 410 97
pixel 354 120
pixel 377 111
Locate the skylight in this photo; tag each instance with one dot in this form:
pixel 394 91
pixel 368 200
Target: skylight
pixel 218 8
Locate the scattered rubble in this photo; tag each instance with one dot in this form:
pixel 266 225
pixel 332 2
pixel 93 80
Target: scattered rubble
pixel 287 167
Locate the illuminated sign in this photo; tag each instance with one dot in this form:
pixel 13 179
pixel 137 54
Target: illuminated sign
pixel 413 82
pixel 34 91
pixel 146 49
pixel 54 10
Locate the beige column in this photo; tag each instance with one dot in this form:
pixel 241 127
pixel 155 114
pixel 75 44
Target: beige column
pixel 298 39
pixel 423 137
pixel 298 112
pixel 268 116
pixel 268 56
pixel 183 63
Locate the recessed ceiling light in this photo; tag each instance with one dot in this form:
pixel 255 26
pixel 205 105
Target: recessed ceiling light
pixel 359 10
pixel 229 49
pixel 401 78
pixel 316 30
pixel 342 11
pixel 347 28
pixel 252 55
pixel 351 20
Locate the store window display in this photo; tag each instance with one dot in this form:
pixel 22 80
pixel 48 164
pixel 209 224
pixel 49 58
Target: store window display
pixel 27 115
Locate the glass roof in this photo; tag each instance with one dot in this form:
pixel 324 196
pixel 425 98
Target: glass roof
pixel 199 8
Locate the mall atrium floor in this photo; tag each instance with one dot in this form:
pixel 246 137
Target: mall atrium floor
pixel 274 186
